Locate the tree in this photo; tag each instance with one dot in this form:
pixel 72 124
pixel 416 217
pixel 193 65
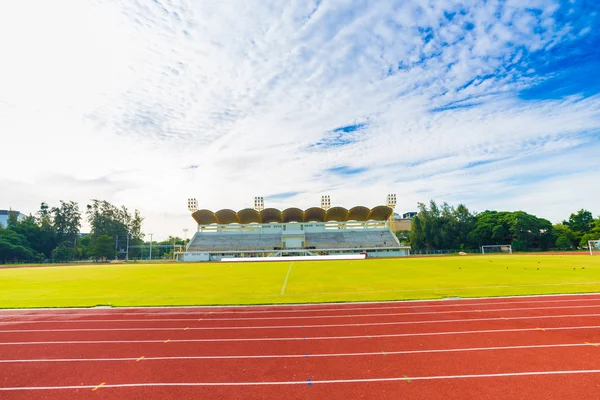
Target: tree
pixel 403 236
pixel 519 229
pixel 67 222
pixel 564 230
pixel 85 247
pixel 563 242
pixel 47 240
pixel 580 223
pixel 63 254
pixel 102 247
pixel 443 227
pixel 14 247
pixel 583 243
pixel 107 219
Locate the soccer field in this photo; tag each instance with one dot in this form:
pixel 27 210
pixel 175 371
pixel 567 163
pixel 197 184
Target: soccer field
pixel 136 284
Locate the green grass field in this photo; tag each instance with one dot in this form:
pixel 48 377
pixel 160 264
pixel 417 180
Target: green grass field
pixel 137 284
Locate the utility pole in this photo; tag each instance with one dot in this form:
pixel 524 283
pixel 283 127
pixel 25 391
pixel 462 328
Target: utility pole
pixel 127 252
pixel 151 246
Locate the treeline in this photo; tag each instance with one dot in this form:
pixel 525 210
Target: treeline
pixel 447 227
pixel 53 233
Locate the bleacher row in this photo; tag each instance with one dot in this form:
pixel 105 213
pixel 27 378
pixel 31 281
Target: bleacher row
pixel 321 240
pixel 350 239
pixel 215 241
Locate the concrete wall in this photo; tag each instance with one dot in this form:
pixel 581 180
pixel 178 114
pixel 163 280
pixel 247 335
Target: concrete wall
pixel 401 224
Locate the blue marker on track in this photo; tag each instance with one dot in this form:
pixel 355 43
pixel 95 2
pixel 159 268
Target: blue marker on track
pixel 309 382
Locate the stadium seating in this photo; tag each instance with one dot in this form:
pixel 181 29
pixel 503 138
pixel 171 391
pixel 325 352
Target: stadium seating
pixel 350 239
pixel 238 241
pixel 317 240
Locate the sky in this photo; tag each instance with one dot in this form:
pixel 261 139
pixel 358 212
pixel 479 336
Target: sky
pixel 146 103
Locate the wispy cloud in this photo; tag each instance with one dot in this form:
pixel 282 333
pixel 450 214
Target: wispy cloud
pixel 491 103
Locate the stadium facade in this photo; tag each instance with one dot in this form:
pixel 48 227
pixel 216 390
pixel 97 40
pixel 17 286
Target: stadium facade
pixel 270 233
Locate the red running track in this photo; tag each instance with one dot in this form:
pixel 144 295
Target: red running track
pixel 545 347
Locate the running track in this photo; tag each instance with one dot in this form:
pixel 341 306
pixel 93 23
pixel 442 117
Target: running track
pixel 543 347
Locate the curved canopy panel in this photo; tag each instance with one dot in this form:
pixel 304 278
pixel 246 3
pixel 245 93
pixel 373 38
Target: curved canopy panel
pixel 205 217
pixel 270 215
pixel 293 215
pixel 249 216
pixel 227 216
pixel 314 214
pixel 338 214
pixel 358 213
pixel 380 213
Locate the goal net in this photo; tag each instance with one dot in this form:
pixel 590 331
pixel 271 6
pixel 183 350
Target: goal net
pixel 594 246
pixel 500 248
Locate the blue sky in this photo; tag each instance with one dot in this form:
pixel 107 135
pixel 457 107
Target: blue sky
pixel 494 104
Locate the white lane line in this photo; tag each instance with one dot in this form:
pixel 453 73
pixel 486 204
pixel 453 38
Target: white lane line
pixel 237 328
pixel 493 310
pixel 305 382
pixel 323 355
pixel 278 339
pixel 286 279
pixel 302 307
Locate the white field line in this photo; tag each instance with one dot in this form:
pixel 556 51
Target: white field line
pixel 492 310
pixel 306 382
pixel 235 328
pixel 279 339
pixel 286 280
pixel 303 307
pixel 276 356
pixel 260 295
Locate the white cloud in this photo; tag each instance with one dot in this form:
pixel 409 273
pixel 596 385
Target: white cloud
pixel 115 101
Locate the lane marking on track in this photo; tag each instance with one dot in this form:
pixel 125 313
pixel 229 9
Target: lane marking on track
pixel 540 329
pixel 237 328
pixel 322 355
pixel 167 341
pixel 286 279
pixel 186 328
pixel 279 339
pixel 99 386
pixel 308 307
pixel 407 378
pixel 291 318
pixel 304 382
pixel 593 344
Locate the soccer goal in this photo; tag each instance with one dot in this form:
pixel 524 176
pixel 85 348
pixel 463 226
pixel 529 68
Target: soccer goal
pixel 594 246
pixel 496 248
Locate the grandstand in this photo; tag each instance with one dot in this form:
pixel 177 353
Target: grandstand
pixel 269 232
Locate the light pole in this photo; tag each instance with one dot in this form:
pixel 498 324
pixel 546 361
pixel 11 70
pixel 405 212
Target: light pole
pixel 151 246
pixel 185 230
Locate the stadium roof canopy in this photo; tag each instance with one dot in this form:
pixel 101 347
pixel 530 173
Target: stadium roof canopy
pixel 273 215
